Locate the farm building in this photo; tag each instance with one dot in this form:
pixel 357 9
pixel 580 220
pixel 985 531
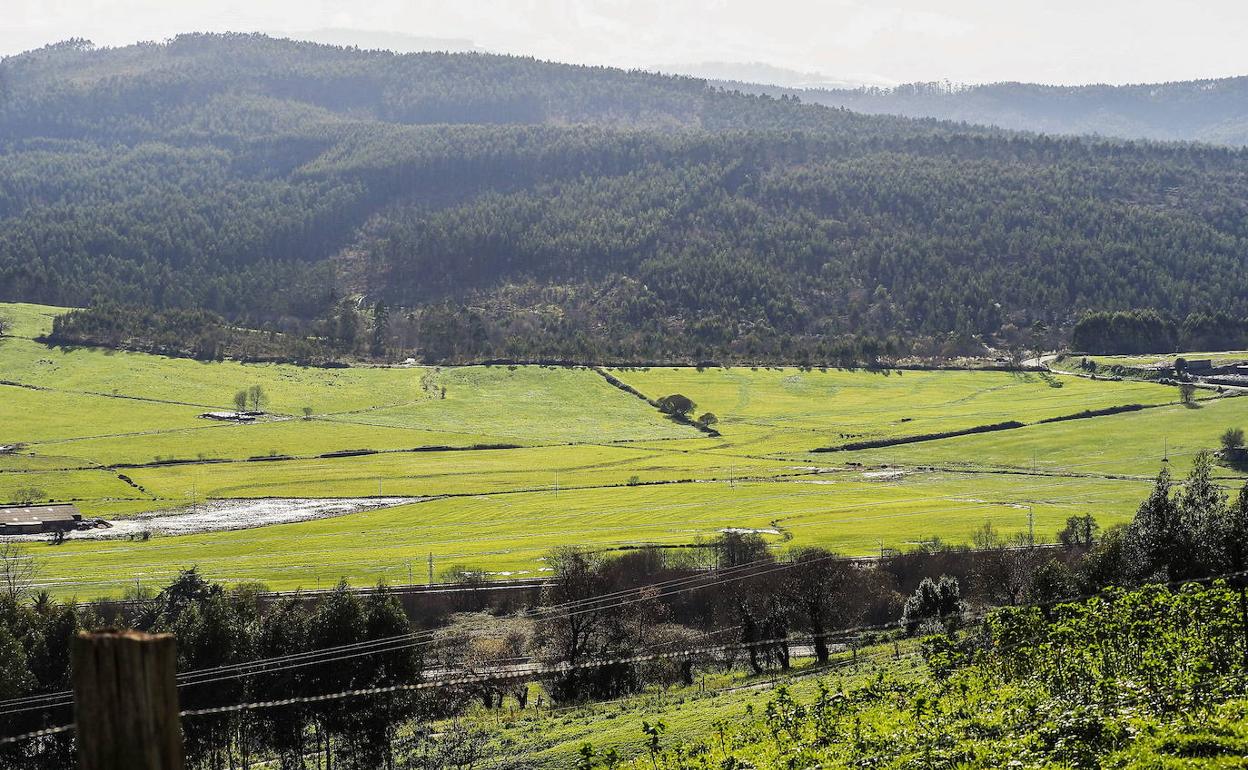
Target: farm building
pixel 36 519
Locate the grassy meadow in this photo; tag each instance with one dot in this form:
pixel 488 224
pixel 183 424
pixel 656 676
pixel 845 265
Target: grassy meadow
pixel 1217 357
pixel 511 461
pixel 784 410
pixel 511 532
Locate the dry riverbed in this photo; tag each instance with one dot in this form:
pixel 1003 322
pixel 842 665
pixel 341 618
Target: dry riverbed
pixel 220 515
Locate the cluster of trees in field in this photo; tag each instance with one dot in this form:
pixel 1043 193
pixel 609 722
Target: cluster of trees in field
pixel 1147 331
pixel 508 208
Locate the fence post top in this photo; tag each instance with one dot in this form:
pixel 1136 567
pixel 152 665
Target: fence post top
pixel 126 634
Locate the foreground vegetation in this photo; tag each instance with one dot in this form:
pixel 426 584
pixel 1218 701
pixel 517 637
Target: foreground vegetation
pixel 1161 688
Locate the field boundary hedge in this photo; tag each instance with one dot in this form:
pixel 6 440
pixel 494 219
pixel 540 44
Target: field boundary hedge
pixel 680 418
pixel 992 428
pixel 898 440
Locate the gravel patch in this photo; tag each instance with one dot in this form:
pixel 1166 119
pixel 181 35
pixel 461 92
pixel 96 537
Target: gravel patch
pixel 222 515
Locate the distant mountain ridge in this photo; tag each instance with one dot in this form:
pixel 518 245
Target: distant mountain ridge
pixel 760 72
pixel 1213 111
pixel 375 39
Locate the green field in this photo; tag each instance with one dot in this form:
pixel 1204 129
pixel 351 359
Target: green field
pixel 1218 357
pixel 511 461
pixel 511 532
pixel 786 410
pixel 25 320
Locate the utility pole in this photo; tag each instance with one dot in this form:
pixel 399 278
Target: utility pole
pixel 126 701
pixel 409 572
pixel 379 486
pixel 1031 526
pixel 431 568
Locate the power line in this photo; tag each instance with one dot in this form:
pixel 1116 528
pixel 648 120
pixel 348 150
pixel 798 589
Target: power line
pixel 394 644
pixel 473 678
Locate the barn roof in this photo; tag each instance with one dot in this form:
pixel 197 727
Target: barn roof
pixel 26 514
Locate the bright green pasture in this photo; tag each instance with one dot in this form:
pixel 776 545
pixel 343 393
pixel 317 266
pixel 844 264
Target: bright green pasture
pixel 850 512
pixel 470 404
pixel 449 473
pixel 210 440
pixel 787 410
pixel 30 462
pixel 529 404
pixel 25 320
pixel 84 486
pixel 50 418
pixel 1222 356
pixel 1130 443
pixel 612 457
pixel 208 385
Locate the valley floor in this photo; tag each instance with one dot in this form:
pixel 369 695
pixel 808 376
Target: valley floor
pixel 502 463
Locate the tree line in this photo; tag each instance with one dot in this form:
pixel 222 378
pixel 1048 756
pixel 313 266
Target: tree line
pixel 1147 331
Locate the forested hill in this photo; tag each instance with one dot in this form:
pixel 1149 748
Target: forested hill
pixel 502 206
pixel 217 87
pixel 1213 111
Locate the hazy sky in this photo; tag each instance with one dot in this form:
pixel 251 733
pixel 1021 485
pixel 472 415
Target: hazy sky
pixel 968 41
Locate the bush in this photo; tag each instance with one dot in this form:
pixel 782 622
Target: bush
pixel 676 405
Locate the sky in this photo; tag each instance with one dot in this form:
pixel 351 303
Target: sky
pixel 855 41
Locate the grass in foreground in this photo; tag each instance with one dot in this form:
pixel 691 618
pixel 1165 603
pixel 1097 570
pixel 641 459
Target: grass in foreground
pixel 726 701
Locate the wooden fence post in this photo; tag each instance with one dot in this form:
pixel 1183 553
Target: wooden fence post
pixel 126 701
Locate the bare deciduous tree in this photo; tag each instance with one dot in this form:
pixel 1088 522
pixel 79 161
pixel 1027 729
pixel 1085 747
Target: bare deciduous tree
pixel 257 399
pixel 18 570
pixel 28 495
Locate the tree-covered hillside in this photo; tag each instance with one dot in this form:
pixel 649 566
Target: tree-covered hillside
pixel 501 206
